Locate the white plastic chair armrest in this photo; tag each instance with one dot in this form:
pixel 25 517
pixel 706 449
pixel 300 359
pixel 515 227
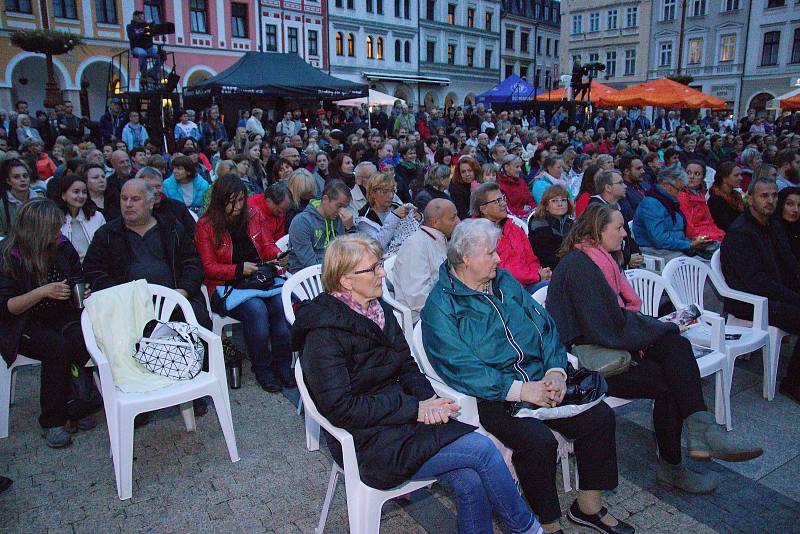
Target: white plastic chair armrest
pixel 717 324
pixel 216 361
pixel 571 358
pixel 760 309
pixel 469 405
pixel 97 356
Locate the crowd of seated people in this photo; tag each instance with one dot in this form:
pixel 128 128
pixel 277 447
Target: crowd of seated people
pixel 347 196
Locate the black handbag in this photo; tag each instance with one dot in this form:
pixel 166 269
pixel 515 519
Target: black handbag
pixel 584 386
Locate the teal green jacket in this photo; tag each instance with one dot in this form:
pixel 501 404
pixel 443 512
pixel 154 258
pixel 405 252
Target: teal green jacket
pixel 480 344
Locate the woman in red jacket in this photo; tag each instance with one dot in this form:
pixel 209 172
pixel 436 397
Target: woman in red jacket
pixel 694 206
pixel 513 247
pixel 514 187
pixel 232 242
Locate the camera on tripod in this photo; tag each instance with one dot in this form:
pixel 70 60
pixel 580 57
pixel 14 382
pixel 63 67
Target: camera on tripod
pixel 591 69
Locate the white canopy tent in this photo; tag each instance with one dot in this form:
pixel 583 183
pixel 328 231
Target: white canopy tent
pixel 775 103
pixel 376 98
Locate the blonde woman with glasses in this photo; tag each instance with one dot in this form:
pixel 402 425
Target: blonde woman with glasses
pixel 360 373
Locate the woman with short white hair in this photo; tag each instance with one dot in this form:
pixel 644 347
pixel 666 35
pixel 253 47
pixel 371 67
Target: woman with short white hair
pixel 487 337
pixel 361 376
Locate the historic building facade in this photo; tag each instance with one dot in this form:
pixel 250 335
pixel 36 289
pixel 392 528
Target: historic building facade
pixel 530 39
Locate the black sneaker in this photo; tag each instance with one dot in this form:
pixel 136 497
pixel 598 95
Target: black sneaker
pixel 286 376
pixel 269 382
pixel 594 522
pixel 5 483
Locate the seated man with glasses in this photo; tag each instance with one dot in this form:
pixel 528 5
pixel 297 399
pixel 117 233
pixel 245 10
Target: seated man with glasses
pixel 516 254
pixel 611 189
pixel 659 224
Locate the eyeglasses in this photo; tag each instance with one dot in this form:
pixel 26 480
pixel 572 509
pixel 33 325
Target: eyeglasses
pixel 374 269
pixel 558 200
pixel 501 200
pixel 617 183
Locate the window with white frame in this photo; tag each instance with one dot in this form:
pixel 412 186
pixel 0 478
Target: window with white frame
pixel 631 16
pixel 577 24
pixel 630 62
pixel 313 43
pixel 611 63
pixel 594 57
pixel 65 9
pixel 238 20
pixel 19 6
pixel 695 56
pixel 668 10
pixel 730 5
pixel 594 22
pixel 154 10
pixel 698 8
pixel 198 10
pixel 727 48
pixel 294 41
pixel 665 54
pixel 106 11
pixel 271 40
pixel 612 21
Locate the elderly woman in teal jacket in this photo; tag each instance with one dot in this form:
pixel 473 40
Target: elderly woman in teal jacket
pixel 487 337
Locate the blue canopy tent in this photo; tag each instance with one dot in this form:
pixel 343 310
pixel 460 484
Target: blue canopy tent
pixel 512 89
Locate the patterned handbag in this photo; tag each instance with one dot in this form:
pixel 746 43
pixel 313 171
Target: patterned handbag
pixel 171 349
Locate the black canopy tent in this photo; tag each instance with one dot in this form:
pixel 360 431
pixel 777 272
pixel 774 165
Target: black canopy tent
pixel 273 75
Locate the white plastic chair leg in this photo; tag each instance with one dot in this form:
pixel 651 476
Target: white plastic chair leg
pixel 722 400
pixel 187 411
pixel 728 379
pixel 312 434
pixel 565 474
pixel 13 390
pixel 770 364
pixel 299 406
pixel 6 388
pixel 222 405
pixel 365 515
pixel 123 457
pixel 326 506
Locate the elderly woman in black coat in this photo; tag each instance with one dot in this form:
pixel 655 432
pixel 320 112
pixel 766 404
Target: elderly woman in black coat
pixel 361 376
pixel 594 306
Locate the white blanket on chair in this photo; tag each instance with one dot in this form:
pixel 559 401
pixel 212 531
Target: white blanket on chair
pixel 119 315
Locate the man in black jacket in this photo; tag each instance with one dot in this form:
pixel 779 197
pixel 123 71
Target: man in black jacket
pixel 142 245
pixel 611 190
pixel 112 122
pixel 141 41
pixel 756 258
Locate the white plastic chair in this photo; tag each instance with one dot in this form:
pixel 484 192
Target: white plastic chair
pixel 283 243
pixel 651 287
pixel 651 262
pixel 219 322
pixel 401 311
pixel 305 284
pixel 121 408
pixel 194 215
pixel 687 278
pixel 519 222
pixel 776 335
pixel 8 383
pixel 469 412
pixel 364 503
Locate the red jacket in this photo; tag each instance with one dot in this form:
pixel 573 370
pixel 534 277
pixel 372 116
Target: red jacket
pixel 274 225
pixel 698 217
pixel 517 194
pixel 217 261
pixel 516 254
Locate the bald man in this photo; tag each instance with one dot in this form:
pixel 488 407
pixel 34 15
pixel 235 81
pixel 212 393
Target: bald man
pixel 416 269
pixel 121 163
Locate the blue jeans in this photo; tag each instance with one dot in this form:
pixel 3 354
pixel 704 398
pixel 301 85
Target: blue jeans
pixel 473 468
pixel 143 53
pixel 263 322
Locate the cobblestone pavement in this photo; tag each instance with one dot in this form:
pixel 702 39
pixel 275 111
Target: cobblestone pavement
pixel 185 482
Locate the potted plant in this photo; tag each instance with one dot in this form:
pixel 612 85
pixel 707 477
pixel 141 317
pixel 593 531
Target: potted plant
pixel 50 43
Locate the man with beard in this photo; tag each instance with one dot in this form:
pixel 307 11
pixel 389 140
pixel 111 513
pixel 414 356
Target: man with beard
pixel 756 258
pixel 788 163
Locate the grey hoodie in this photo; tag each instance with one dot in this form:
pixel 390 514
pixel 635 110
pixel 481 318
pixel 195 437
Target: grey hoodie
pixel 309 235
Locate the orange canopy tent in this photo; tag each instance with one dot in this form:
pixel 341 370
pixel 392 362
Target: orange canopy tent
pixel 791 104
pixel 557 95
pixel 663 93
